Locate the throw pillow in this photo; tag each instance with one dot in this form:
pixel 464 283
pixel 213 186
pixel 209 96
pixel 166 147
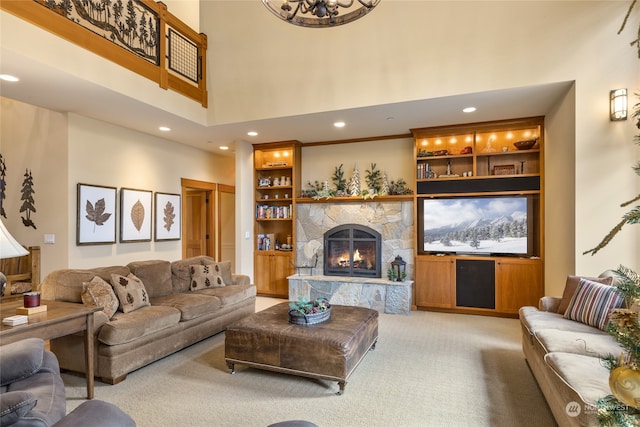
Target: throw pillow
pixel 15 405
pixel 205 276
pixel 222 267
pixel 131 292
pixel 571 286
pixel 592 303
pixel 98 293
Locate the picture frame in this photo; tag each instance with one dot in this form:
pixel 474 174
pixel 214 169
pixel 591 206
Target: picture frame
pixel 168 217
pixel 96 215
pixel 135 215
pixel 504 170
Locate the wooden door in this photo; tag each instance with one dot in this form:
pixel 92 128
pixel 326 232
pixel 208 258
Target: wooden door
pixel 434 285
pixel 281 269
pixel 262 273
pixel 196 237
pixel 227 224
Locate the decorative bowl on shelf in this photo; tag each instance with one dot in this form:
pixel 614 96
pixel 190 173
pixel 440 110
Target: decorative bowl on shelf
pixel 526 144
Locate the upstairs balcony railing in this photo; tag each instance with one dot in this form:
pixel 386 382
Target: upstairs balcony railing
pixel 140 35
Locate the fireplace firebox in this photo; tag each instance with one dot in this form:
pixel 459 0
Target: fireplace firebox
pixel 352 250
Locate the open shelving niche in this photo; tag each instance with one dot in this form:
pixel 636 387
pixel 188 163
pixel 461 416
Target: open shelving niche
pixel 274 229
pixel 480 159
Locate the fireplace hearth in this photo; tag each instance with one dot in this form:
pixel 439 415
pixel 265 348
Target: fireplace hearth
pixel 352 250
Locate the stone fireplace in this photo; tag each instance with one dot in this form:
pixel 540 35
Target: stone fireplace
pixel 332 276
pixel 352 250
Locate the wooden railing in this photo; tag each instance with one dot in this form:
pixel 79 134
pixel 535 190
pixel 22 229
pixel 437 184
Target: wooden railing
pixel 140 35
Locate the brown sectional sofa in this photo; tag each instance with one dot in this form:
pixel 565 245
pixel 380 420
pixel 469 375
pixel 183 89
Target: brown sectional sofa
pixel 176 317
pixel 565 357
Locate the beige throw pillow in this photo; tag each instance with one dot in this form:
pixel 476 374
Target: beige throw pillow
pixel 98 293
pixel 205 276
pixel 572 285
pixel 131 292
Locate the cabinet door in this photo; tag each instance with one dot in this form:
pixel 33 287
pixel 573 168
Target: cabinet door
pixel 434 282
pixel 518 283
pixel 262 273
pixel 281 268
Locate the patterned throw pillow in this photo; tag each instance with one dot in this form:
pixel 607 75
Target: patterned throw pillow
pixel 205 276
pixel 130 291
pixel 98 293
pixel 592 303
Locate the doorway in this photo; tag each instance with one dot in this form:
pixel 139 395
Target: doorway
pixel 198 218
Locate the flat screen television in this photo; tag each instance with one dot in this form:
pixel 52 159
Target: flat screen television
pixel 479 225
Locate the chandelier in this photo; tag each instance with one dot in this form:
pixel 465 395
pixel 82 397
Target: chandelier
pixel 320 13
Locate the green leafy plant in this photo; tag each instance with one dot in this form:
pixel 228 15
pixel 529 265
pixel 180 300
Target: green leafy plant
pixel 304 306
pixel 374 178
pixel 339 180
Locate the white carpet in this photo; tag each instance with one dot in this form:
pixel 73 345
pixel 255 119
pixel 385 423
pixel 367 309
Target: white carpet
pixel 428 369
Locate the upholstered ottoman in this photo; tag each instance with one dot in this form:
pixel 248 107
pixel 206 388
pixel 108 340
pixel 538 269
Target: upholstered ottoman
pixel 330 350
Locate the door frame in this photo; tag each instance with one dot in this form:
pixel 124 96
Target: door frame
pixel 210 189
pixel 222 188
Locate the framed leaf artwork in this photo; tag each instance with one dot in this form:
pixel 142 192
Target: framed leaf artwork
pixel 96 223
pixel 167 218
pixel 135 215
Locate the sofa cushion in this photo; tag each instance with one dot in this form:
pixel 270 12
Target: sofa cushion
pixel 592 302
pixel 571 286
pixel 98 293
pixel 15 405
pixel 131 292
pixel 205 276
pixel 596 344
pixel 156 276
pixel 229 295
pixel 182 273
pixel 191 305
pixel 535 320
pixel 66 285
pixel 224 268
pixel 586 375
pixel 126 327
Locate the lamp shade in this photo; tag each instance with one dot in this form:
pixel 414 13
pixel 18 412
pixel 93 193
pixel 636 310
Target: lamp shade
pixel 9 247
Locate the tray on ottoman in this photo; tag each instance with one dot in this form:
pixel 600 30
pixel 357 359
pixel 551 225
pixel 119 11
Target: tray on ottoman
pixel 329 350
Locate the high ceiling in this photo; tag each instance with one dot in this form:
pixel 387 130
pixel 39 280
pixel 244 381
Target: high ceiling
pixel 51 88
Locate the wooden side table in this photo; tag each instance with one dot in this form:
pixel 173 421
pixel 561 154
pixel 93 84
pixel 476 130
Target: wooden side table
pixel 60 319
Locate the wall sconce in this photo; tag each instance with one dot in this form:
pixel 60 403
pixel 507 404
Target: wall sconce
pixel 618 105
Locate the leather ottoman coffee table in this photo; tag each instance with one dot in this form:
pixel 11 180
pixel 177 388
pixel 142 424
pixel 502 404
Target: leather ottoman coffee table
pixel 330 350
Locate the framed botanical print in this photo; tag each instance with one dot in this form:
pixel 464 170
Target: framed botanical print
pixel 96 220
pixel 168 223
pixel 135 215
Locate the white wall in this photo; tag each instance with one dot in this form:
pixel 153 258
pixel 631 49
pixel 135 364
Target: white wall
pixel 103 154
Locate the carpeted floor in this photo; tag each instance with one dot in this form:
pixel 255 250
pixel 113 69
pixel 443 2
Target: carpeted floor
pixel 428 369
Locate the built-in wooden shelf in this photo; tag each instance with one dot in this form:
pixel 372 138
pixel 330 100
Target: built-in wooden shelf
pixel 352 199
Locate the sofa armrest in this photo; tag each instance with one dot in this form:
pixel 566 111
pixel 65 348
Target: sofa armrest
pixel 548 303
pixel 241 279
pixel 20 360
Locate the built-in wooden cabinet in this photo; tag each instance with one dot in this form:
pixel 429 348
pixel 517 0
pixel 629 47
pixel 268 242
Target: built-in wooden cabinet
pixel 458 163
pixel 277 183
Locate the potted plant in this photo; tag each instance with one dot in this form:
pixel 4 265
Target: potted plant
pixel 305 312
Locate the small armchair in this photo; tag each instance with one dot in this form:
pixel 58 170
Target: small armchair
pixel 32 392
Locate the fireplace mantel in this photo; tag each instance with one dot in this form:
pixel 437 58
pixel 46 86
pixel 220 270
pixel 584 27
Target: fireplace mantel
pixel 346 199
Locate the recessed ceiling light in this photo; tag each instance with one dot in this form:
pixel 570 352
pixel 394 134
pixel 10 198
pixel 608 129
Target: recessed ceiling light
pixel 469 110
pixel 339 124
pixel 164 128
pixel 9 78
pixel 224 147
pixel 252 133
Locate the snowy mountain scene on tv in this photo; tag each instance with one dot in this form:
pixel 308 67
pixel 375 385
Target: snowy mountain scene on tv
pixel 491 225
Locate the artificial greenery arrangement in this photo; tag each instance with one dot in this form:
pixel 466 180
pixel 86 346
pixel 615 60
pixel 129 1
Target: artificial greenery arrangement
pixel 304 306
pixel 375 178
